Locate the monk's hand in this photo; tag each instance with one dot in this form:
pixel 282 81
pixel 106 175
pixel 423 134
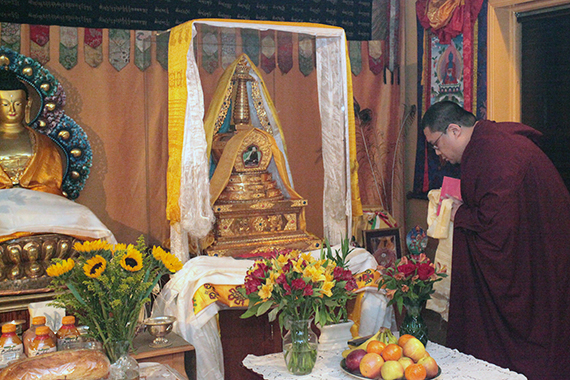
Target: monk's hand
pixel 456 203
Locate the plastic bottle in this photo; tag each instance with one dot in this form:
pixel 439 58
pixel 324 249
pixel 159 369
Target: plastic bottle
pixel 67 334
pixel 42 343
pixel 11 344
pixel 30 333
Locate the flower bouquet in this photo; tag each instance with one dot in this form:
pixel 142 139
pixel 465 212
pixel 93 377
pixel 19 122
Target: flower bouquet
pixel 409 282
pixel 297 287
pixel 108 286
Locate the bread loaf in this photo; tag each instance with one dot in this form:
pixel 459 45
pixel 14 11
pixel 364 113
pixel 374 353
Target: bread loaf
pixel 68 365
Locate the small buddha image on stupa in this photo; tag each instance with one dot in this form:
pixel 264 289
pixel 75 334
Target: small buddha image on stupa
pixel 251 157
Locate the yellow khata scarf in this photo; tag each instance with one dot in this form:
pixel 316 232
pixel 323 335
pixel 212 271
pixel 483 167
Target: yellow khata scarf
pixel 230 296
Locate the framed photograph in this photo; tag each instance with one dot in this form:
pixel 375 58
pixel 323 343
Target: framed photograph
pixel 383 244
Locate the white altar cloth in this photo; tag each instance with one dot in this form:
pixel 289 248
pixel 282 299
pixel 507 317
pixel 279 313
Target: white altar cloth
pixel 454 366
pixel 201 329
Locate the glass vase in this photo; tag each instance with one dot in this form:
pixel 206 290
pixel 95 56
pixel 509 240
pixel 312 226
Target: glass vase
pixel 413 322
pixel 123 366
pixel 300 346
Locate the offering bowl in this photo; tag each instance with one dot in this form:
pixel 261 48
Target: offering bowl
pixel 159 327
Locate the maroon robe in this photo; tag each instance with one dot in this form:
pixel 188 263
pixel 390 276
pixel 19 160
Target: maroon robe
pixel 510 288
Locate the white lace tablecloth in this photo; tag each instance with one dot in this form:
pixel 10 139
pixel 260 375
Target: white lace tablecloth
pixel 454 365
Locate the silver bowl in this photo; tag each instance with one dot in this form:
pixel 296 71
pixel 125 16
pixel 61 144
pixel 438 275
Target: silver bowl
pixel 159 327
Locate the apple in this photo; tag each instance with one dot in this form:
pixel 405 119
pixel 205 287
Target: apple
pixel 405 362
pixel 353 359
pixel 414 349
pixel 430 365
pixel 392 370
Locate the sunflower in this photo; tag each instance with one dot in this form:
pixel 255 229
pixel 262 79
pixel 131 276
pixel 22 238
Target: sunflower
pixel 95 266
pixel 95 245
pixel 121 247
pixel 158 252
pixel 132 260
pixel 56 270
pixel 170 261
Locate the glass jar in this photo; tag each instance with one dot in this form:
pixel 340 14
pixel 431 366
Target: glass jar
pixel 300 346
pixel 123 365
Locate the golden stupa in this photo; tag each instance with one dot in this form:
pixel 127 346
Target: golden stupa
pixel 255 212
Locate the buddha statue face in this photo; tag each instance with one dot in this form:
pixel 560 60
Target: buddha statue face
pixel 12 106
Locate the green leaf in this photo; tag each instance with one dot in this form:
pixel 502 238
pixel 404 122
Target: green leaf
pixel 263 308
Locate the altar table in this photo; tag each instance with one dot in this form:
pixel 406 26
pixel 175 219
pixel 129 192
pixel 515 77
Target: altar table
pixel 194 295
pixel 454 365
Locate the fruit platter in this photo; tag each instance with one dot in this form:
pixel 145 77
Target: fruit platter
pixel 385 357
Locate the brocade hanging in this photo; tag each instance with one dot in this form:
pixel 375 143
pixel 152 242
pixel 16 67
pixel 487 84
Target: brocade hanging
pixel 375 57
pixel 306 54
pixel 11 37
pixel 355 54
pixel 93 48
pixel 162 49
pixel 267 50
pixel 39 43
pixel 250 42
pixel 68 44
pixel 210 48
pixel 142 49
pixel 285 51
pixel 228 36
pixel 119 48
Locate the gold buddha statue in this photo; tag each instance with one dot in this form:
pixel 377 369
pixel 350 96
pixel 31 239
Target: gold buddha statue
pixel 257 210
pixel 28 159
pixel 45 159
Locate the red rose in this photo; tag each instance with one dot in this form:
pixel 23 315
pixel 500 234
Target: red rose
pixel 287 289
pixel 251 285
pixel 425 271
pixel 282 279
pixel 407 269
pixel 308 291
pixel 351 285
pixel 298 284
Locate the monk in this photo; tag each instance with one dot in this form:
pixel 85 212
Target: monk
pixel 510 286
pixel 28 159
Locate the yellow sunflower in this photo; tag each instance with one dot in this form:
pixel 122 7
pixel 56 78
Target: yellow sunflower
pixel 158 252
pixel 95 266
pixel 132 260
pixel 89 246
pixel 56 270
pixel 171 262
pixel 121 247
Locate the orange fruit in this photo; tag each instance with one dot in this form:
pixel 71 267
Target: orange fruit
pixel 375 346
pixel 370 365
pixel 392 352
pixel 415 372
pixel 403 339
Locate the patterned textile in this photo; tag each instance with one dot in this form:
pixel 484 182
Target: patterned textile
pixel 92 41
pixel 11 36
pixel 455 71
pixel 119 48
pixel 39 43
pixel 142 49
pixel 210 47
pixel 355 53
pixel 228 36
pixel 375 56
pixel 285 51
pixel 250 41
pixel 306 54
pixel 267 50
pixel 162 49
pixel 68 42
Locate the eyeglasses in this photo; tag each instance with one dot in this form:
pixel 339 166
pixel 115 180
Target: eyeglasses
pixel 434 144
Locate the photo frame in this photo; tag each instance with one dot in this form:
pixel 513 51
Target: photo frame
pixel 383 244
